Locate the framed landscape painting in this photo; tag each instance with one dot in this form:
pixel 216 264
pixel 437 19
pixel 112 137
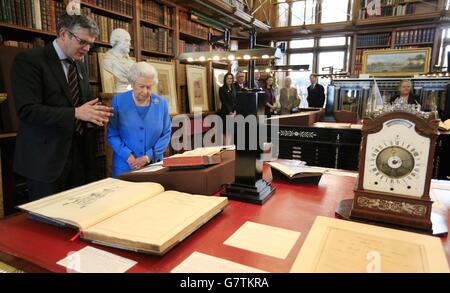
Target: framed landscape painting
pixel 196 84
pixel 398 62
pixel 166 83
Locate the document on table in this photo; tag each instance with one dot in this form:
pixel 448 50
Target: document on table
pixel 93 260
pixel 334 245
pixel 199 262
pixel 264 239
pixel 150 168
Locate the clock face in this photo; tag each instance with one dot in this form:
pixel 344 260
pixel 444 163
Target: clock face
pixel 396 159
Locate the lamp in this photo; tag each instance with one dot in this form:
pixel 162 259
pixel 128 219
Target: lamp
pixel 248 54
pixel 304 30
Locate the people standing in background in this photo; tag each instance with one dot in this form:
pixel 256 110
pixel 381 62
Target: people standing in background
pixel 288 97
pixel 270 97
pixel 240 81
pixel 55 150
pixel 259 84
pixel 405 93
pixel 227 94
pixel 139 132
pixel 316 93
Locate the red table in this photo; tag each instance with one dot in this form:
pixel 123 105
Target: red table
pixel 34 246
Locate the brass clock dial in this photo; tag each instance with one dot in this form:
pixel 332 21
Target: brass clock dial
pixel 395 162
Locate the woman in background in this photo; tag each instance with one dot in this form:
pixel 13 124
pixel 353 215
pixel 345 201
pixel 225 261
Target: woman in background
pixel 227 94
pixel 139 132
pixel 405 93
pixel 288 97
pixel 270 97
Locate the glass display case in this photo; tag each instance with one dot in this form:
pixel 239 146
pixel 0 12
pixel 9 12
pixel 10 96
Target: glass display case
pixel 355 95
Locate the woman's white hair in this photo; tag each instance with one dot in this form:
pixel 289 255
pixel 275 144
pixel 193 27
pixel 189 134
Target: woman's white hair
pixel 142 69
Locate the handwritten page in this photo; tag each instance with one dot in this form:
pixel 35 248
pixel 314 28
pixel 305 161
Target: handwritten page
pixel 335 245
pixel 264 239
pixel 199 262
pixel 93 260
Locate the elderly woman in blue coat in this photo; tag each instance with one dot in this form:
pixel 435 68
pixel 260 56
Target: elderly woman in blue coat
pixel 139 132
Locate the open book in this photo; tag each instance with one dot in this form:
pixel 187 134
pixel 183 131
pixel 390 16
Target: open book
pixel 445 126
pixel 197 157
pixel 296 171
pixel 128 215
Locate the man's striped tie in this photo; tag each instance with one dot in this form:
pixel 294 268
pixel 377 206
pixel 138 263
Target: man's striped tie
pixel 74 90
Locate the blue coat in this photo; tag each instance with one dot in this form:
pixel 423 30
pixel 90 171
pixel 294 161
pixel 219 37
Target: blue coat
pixel 129 133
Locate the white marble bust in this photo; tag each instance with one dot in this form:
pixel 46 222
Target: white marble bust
pixel 117 61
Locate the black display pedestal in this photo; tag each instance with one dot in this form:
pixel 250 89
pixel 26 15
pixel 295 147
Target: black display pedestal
pixel 249 185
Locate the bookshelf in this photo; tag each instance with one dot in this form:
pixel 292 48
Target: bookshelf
pixel 397 8
pixel 159 29
pixel 397 38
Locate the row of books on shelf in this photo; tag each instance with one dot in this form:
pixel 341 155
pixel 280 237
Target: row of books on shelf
pixel 120 6
pixel 183 47
pixel 36 14
pixel 157 39
pixel 37 42
pixel 390 11
pixel 106 24
pixel 415 36
pixel 157 13
pixel 192 28
pixel 381 39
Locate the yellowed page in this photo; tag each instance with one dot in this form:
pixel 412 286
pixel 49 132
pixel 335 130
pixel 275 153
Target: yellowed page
pixel 264 239
pixel 199 262
pixel 157 223
pixel 335 245
pixel 87 205
pixel 206 151
pixel 291 167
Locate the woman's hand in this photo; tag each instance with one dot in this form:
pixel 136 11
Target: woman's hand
pixel 139 163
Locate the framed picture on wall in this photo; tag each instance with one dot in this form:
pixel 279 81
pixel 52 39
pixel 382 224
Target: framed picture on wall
pixel 218 82
pixel 398 62
pixel 197 92
pixel 166 83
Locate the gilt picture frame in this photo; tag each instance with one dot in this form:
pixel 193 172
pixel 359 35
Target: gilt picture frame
pixel 166 83
pixel 398 62
pixel 197 89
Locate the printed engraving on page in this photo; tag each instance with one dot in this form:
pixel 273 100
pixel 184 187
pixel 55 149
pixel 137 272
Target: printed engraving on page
pixel 393 206
pixel 84 200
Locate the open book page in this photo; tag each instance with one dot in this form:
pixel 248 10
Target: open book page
pixel 293 168
pixel 444 125
pixel 89 204
pixel 158 223
pixel 336 245
pixel 198 152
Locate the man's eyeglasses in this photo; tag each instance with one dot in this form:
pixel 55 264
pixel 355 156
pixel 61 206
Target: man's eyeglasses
pixel 80 41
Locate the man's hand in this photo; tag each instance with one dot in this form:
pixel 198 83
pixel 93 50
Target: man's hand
pixel 93 112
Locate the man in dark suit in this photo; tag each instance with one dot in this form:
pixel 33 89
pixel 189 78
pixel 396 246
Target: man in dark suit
pixel 54 147
pixel 239 84
pixel 316 93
